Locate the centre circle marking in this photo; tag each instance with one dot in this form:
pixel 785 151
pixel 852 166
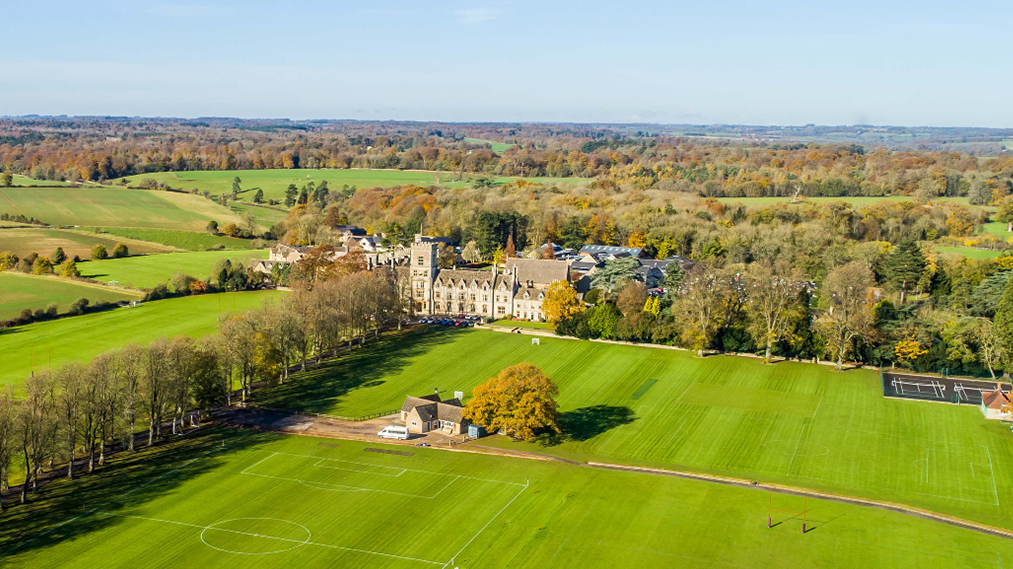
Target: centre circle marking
pixel 290 547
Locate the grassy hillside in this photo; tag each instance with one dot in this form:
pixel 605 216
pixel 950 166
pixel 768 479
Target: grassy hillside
pixel 19 291
pixel 189 240
pixel 857 201
pixel 43 241
pixel 112 207
pixel 227 498
pixel 81 338
pixel 799 424
pixel 275 182
pixel 147 271
pixel 970 253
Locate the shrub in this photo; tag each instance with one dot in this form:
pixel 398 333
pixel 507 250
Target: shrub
pixel 52 310
pixel 158 293
pixel 182 282
pixel 69 269
pixel 58 256
pixel 79 306
pixel 120 251
pixel 42 266
pixel 99 252
pixel 8 260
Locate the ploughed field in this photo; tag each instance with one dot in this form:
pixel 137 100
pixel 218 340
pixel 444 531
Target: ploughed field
pixel 80 338
pixel 792 423
pixel 224 498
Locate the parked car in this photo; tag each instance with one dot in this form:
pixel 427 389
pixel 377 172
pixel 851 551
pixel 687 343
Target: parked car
pixel 394 432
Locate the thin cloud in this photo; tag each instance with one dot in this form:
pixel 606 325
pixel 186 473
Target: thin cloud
pixel 471 16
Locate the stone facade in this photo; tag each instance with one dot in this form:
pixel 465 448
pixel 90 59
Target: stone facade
pixel 517 290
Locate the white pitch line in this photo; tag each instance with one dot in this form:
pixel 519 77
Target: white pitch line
pixel 399 473
pixel 412 470
pixel 337 486
pixel 995 491
pixel 96 508
pixel 452 480
pixel 926 465
pixel 274 537
pixel 503 509
pixel 794 452
pixel 817 407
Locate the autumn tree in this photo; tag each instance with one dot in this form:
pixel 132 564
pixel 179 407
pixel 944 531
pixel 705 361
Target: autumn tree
pixel 519 401
pixel 632 298
pixel 773 303
pixel 470 253
pixel 99 252
pixel 561 302
pixel 847 314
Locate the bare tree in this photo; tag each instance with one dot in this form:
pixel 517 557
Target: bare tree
pixel 848 314
pixel 773 302
pixel 182 368
pixel 69 380
pixel 35 428
pixel 153 385
pixel 129 376
pixel 7 441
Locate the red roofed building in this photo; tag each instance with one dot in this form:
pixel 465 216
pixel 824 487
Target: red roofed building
pixel 995 404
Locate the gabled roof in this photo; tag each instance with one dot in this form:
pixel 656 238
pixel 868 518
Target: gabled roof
pixel 539 271
pixel 431 408
pixel 994 399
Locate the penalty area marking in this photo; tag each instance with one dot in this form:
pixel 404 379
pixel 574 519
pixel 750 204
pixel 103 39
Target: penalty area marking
pixel 297 542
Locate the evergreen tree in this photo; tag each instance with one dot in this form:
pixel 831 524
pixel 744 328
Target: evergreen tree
pixel 1003 325
pixel 290 195
pixel 904 267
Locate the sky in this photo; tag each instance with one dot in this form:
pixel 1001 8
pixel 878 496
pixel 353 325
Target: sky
pixel 791 62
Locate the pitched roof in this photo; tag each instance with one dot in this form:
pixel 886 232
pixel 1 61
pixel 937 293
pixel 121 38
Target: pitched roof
pixel 444 276
pixel 612 249
pixel 431 408
pixel 994 399
pixel 539 271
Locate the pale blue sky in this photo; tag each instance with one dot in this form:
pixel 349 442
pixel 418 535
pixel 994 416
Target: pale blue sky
pixel 902 62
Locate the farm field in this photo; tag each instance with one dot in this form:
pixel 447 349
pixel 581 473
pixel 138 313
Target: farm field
pixel 19 291
pixel 81 338
pixel 222 498
pixel 857 201
pixel 275 182
pixel 188 240
pixel 970 253
pixel 144 272
pixel 20 180
pixel 22 241
pixel 497 147
pixel 791 423
pixel 265 216
pixel 997 229
pixel 111 207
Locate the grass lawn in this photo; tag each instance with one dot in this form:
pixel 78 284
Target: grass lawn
pixel 497 147
pixel 19 291
pixel 43 241
pixel 81 338
pixel 221 498
pixel 189 240
pixel 523 324
pixel 970 253
pixel 275 182
pixel 144 272
pixel 857 201
pixel 792 423
pixel 997 229
pixel 114 207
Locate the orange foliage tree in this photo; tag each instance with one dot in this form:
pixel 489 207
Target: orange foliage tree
pixel 519 401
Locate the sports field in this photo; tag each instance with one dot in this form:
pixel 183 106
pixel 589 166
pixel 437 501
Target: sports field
pixel 19 291
pixel 22 241
pixel 792 423
pixel 220 498
pixel 188 240
pixel 113 207
pixel 275 182
pixel 81 338
pixel 144 272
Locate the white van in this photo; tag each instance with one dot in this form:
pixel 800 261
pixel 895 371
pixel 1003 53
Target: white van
pixel 394 432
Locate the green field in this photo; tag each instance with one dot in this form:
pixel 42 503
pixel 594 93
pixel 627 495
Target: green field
pixel 19 291
pixel 857 201
pixel 145 272
pixel 265 216
pixel 191 241
pixel 275 182
pixel 792 423
pixel 497 147
pixel 970 253
pixel 81 338
pixel 20 180
pixel 997 229
pixel 221 498
pixel 111 207
pixel 44 241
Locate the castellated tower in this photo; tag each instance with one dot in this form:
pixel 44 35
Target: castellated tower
pixel 424 267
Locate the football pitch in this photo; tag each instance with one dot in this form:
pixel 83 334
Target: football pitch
pixel 227 498
pixel 790 423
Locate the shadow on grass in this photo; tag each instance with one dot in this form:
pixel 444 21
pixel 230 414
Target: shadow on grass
pixel 588 422
pixel 319 390
pixel 65 511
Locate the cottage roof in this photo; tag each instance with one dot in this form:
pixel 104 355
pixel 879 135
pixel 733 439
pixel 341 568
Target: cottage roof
pixel 431 408
pixel 994 399
pixel 612 250
pixel 539 271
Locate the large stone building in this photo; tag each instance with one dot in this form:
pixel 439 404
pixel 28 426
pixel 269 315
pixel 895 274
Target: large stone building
pixel 517 290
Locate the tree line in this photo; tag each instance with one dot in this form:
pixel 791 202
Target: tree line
pixel 80 411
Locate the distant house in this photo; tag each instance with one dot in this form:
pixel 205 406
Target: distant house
pixel 612 250
pixel 429 413
pixel 995 404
